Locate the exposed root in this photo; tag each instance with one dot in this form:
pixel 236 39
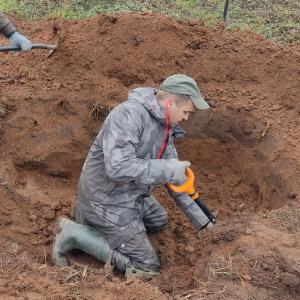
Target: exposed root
pixel 264 131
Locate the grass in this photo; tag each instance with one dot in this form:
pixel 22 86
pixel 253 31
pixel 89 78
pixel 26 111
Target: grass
pixel 224 267
pixel 203 290
pixel 278 19
pixel 97 111
pixel 221 268
pixel 285 218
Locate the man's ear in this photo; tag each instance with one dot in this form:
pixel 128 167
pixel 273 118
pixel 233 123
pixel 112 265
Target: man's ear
pixel 170 103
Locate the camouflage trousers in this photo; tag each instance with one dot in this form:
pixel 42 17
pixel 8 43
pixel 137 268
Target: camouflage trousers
pixel 133 248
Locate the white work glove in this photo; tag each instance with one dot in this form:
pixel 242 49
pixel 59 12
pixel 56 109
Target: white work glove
pixel 19 40
pixel 179 167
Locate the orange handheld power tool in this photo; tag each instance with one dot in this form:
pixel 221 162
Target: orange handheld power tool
pixel 189 188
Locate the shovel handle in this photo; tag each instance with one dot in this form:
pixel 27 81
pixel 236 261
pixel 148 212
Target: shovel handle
pixel 34 46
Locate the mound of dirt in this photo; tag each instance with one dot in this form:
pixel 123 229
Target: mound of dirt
pixel 245 154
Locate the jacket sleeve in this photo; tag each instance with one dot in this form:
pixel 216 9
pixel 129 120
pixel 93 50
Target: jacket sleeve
pixel 6 27
pixel 190 208
pixel 121 136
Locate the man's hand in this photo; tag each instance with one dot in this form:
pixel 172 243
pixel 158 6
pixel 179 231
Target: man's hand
pixel 179 167
pixel 19 40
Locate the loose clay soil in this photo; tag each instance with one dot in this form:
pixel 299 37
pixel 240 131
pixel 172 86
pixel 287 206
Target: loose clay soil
pixel 244 152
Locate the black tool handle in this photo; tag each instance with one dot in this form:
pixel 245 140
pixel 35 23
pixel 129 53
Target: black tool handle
pixel 225 12
pixel 201 204
pixel 34 46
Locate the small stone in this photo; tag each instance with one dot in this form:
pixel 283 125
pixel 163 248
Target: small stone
pixel 246 277
pixel 212 103
pixel 211 177
pixel 112 19
pixel 241 205
pixel 137 40
pixel 188 54
pixel 57 85
pixel 2 112
pixel 189 249
pixel 194 45
pixel 291 195
pixel 192 22
pixel 290 280
pixel 179 63
pixel 249 231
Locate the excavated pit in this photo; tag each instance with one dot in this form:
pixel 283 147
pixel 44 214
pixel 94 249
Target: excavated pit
pixel 229 153
pixel 244 152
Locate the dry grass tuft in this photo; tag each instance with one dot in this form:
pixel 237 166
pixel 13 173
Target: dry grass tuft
pixel 285 218
pixel 224 266
pixel 63 103
pixel 203 290
pixel 98 111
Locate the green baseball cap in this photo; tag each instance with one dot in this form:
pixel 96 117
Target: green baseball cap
pixel 181 84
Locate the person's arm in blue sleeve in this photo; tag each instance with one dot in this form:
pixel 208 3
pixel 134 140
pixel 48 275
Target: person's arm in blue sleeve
pixel 9 30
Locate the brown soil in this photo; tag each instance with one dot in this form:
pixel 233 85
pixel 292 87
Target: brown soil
pixel 245 155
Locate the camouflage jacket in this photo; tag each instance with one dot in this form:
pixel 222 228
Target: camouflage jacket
pixel 121 166
pixel 6 27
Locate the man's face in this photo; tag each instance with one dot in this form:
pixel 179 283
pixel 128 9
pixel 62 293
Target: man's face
pixel 180 111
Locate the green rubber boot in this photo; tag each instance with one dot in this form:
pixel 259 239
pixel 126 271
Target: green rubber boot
pixel 71 235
